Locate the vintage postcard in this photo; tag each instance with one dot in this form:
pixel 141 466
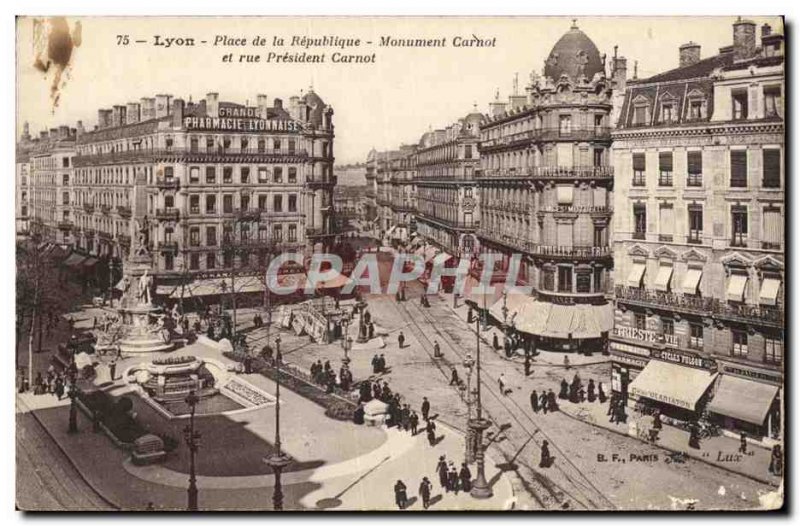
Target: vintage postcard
pixel 397 263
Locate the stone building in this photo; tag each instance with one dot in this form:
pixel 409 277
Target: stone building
pixel 546 193
pixel 22 186
pixel 213 186
pixel 394 183
pixel 698 235
pixel 447 212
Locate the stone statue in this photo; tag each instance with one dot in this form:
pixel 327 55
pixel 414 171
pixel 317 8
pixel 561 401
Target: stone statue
pixel 126 285
pixel 142 237
pixel 145 282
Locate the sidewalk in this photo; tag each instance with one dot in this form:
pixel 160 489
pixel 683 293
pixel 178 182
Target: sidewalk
pixel 720 451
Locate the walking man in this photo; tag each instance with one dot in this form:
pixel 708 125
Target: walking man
pixel 112 369
pixel 546 459
pixel 437 351
pixel 535 401
pixel 441 470
pixel 426 407
pixel 465 475
pixel 425 492
pixel 543 402
pixel 401 339
pixel 501 384
pixel 743 443
pixel 454 380
pixel 414 419
pixel 400 496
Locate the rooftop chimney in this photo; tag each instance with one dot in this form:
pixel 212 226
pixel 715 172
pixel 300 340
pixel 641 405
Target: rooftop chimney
pixel 212 104
pixel 177 113
pixel 744 39
pixel 118 115
pixel 689 54
pixel 63 132
pixel 132 113
pixel 261 102
pixel 148 108
pixel 162 105
pixel 620 72
pixel 765 30
pixel 79 129
pixel 278 104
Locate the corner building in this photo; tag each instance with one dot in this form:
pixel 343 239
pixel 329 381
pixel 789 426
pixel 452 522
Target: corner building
pixel 546 192
pixel 699 240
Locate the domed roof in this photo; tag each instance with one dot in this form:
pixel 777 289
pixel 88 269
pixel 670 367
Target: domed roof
pixel 317 106
pixel 574 54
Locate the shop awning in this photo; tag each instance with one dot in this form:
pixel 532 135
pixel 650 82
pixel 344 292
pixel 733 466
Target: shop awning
pixel 663 277
pixel 743 399
pixel 691 281
pixel 769 291
pixel 74 260
pixel 580 322
pixel 672 384
pixel 514 303
pixel 736 285
pixel 442 258
pixel 636 275
pixel 89 262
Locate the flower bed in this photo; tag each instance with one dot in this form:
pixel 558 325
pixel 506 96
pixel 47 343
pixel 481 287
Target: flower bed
pixel 248 393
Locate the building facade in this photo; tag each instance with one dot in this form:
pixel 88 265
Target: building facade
pixel 546 193
pixel 699 240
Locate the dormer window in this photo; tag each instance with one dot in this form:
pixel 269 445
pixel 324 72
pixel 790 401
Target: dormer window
pixel 667 112
pixel 739 101
pixel 641 111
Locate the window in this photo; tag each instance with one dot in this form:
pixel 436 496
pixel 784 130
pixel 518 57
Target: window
pixel 227 259
pixel 169 143
pixel 277 233
pixel 194 174
pixel 276 144
pixel 292 175
pixel 243 144
pixel 227 234
pixel 65 198
pixel 695 335
pixel 227 174
pixel 467 221
pixel 277 174
pixel 211 261
pixel 209 143
pixel 467 151
pixel 667 112
pixel 599 238
pixel 694 161
pixel 169 261
pixel 739 101
pixel 772 168
pixel 773 228
pixel 244 231
pixel 194 204
pixel 65 179
pixel 548 279
pixel 65 162
pixel 598 279
pixel 773 350
pixel 169 173
pixel 168 231
pixel 193 145
pixel 194 237
pixel 292 233
pixel 668 326
pixel 695 224
pixel 598 157
pixel 695 109
pixel 211 175
pixel 194 262
pixel 262 145
pixel 738 168
pixel 226 143
pixel 738 226
pixel 666 222
pixel 244 202
pixel 292 203
pixel 277 203
pixel 211 204
pixel 169 201
pixel 244 174
pixel 263 174
pixel 639 220
pixel 565 125
pixel 291 146
pixel 640 114
pixel 583 282
pixel 211 236
pixel 665 169
pixel 227 204
pixel 640 321
pixel 639 164
pixel 564 279
pixel 739 343
pixel 262 202
pixel 772 101
pixel 598 121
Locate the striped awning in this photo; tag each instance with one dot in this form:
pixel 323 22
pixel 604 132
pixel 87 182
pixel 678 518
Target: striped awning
pixel 578 322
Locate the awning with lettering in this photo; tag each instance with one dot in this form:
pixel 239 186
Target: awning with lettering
pixel 769 291
pixel 743 399
pixel 672 384
pixel 663 277
pixel 736 285
pixel 74 260
pixel 636 275
pixel 691 281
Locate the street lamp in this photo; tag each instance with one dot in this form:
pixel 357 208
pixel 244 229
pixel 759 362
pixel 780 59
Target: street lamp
pixel 73 408
pixel 362 330
pixel 348 344
pixel 278 460
pixel 192 439
pixel 480 488
pixel 469 455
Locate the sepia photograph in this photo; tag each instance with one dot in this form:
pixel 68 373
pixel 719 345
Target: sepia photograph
pixel 403 264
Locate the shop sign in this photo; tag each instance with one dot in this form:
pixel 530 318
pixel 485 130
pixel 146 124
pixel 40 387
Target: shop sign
pixel 239 124
pixel 682 358
pixel 630 360
pixel 631 349
pixel 750 373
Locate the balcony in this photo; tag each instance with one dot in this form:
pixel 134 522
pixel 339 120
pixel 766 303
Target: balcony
pixel 569 209
pixel 168 183
pixel 699 306
pixel 167 214
pixel 168 246
pixel 564 252
pixel 320 182
pixel 124 239
pixel 88 208
pixel 571 172
pixel 66 225
pixel 105 209
pixel 594 133
pixel 248 214
pixel 124 211
pixel 514 242
pixel 509 141
pixel 191 155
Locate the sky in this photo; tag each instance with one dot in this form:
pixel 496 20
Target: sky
pixel 381 105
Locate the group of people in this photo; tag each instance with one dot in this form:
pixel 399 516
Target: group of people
pixel 379 364
pixel 452 480
pixel 545 402
pixel 54 382
pixel 324 375
pixel 576 393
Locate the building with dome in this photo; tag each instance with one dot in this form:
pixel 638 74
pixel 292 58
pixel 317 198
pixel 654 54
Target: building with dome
pixel 216 186
pixel 546 193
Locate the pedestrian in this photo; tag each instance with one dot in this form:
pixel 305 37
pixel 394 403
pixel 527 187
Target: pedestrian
pixel 527 364
pixel 501 384
pixel 405 417
pixel 694 438
pixel 566 362
pixel 743 443
pixel 425 492
pixel 552 405
pixel 431 434
pixel 590 391
pixel 441 470
pixel 371 330
pixel 400 496
pixel 452 479
pixel 414 420
pixel 581 395
pixel 611 403
pixel 401 339
pixel 386 392
pixel 112 369
pixel 469 315
pixel 425 409
pixel 776 461
pixel 564 392
pixel 657 420
pixel 382 363
pixel 601 394
pixel 495 342
pixel 535 401
pixel 465 476
pixel 38 384
pixel 59 389
pixel 454 380
pixel 375 367
pixel 437 351
pixel 367 316
pixel 543 402
pixel 546 459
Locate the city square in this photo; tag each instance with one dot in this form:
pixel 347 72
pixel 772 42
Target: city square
pixel 522 310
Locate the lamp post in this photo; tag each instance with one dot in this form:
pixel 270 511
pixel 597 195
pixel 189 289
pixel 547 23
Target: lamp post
pixel 469 455
pixel 278 460
pixel 480 488
pixel 362 330
pixel 192 439
pixel 348 344
pixel 73 408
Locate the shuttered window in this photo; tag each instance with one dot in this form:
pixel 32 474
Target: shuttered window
pixel 666 223
pixel 773 228
pixel 772 169
pixel 694 161
pixel 739 168
pixel 665 161
pixel 639 164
